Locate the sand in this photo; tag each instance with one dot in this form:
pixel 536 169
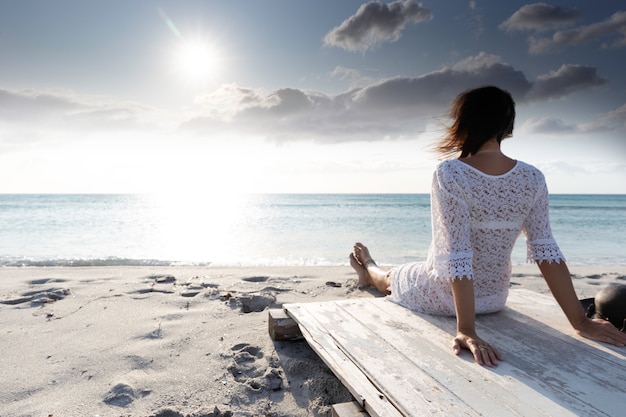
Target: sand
pixel 178 341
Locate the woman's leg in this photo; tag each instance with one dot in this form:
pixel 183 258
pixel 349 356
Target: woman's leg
pixel 369 273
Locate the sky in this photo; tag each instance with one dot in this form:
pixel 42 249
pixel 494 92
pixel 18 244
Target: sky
pixel 324 96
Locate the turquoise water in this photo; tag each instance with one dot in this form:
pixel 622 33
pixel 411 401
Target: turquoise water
pixel 290 229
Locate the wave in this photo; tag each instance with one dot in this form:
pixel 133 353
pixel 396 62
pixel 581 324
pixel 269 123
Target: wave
pixel 116 261
pixel 112 261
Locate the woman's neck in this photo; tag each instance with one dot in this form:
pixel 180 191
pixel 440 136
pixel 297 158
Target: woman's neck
pixel 491 146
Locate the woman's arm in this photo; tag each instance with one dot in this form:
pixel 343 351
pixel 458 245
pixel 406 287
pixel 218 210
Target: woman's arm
pixel 559 281
pixel 466 337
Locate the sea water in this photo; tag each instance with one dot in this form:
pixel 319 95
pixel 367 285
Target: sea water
pixel 266 230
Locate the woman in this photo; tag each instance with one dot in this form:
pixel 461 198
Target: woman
pixel 480 202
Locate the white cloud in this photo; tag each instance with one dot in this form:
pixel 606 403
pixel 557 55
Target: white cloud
pixel 591 167
pixel 548 125
pixel 618 116
pixel 613 121
pixel 539 17
pixel 375 23
pixel 353 76
pixel 58 110
pixel 613 28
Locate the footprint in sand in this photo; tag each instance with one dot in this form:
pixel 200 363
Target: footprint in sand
pixel 39 297
pixel 122 395
pixel 216 412
pixel 255 302
pixel 42 281
pixel 249 370
pixel 162 279
pixel 255 279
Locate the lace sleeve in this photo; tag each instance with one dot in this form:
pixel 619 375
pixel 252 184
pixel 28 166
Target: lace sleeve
pixel 451 228
pixel 540 243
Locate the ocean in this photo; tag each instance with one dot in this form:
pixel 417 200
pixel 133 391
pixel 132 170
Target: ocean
pixel 266 230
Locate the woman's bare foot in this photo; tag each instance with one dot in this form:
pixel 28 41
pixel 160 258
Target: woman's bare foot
pixel 362 254
pixel 364 276
pixel 372 275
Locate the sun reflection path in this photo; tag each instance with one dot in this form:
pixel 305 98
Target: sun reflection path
pixel 201 227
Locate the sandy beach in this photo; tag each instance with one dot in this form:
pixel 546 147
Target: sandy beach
pixel 178 341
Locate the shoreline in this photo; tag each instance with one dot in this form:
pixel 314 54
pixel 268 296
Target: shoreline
pixel 179 340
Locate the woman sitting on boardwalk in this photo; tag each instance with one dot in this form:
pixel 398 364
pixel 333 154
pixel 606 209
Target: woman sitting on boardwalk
pixel 480 202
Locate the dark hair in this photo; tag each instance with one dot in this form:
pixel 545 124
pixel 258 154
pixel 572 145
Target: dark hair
pixel 478 115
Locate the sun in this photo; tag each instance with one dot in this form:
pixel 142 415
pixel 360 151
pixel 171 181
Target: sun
pixel 198 61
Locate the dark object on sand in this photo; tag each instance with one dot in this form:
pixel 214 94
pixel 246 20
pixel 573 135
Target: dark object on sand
pixel 608 304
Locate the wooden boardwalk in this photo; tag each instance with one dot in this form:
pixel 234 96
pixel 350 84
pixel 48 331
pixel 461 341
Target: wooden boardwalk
pixel 396 362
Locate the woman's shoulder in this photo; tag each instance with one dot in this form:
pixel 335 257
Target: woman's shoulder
pixel 455 165
pixel 448 165
pixel 526 167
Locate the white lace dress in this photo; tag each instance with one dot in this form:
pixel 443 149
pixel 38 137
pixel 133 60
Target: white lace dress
pixel 476 219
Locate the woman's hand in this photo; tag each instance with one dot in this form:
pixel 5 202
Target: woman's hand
pixel 602 331
pixel 484 353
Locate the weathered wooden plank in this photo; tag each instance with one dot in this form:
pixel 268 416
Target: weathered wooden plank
pixel 348 373
pixel 471 390
pixel 408 387
pixel 565 375
pixel 528 306
pixel 390 356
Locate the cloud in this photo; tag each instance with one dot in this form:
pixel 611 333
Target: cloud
pixel 355 77
pixel 539 17
pixel 58 110
pixel 548 125
pixel 565 81
pixel 613 121
pixel 567 169
pixel 393 108
pixel 554 168
pixel 618 115
pixel 399 107
pixel 435 90
pixel 375 23
pixel 33 105
pixel 613 28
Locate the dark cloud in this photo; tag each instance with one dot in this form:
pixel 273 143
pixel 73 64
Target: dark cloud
pixel 395 107
pixel 398 107
pixel 566 80
pixel 539 17
pixel 375 23
pixel 436 89
pixel 613 28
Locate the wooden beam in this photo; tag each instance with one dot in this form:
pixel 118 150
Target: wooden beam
pixel 351 409
pixel 282 327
